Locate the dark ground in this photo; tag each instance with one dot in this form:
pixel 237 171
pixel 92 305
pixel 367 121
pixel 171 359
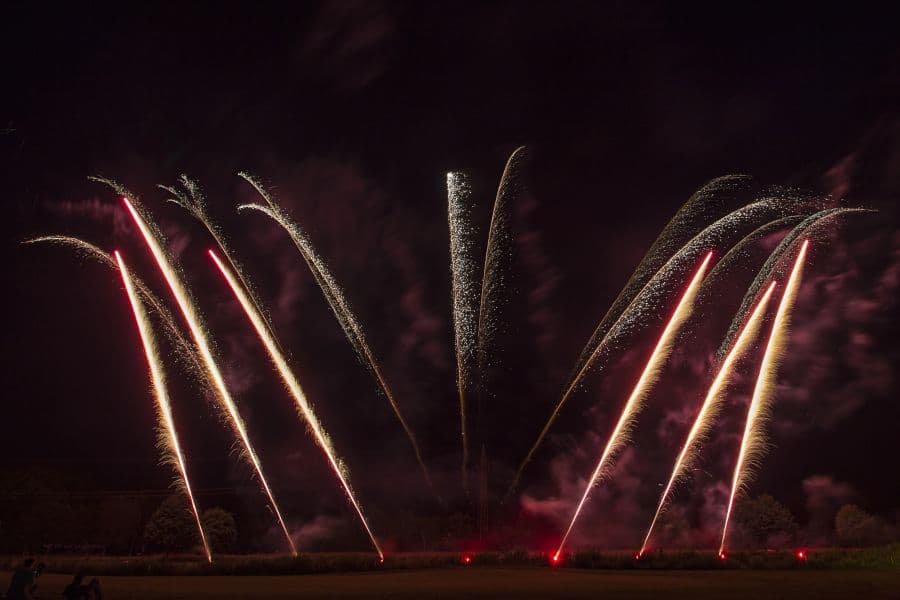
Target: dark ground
pixel 509 583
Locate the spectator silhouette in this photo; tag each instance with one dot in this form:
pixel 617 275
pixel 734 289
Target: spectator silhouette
pixel 78 591
pixel 21 585
pixel 37 573
pixel 94 591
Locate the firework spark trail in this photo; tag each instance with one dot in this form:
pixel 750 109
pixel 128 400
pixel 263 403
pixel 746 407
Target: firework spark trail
pixel 649 296
pixel 194 202
pixel 742 249
pixel 169 440
pixel 465 296
pixel 339 306
pixel 807 228
pixel 752 444
pixel 295 390
pixel 200 338
pixel 496 257
pixel 704 206
pixel 647 379
pixel 184 350
pixel 710 407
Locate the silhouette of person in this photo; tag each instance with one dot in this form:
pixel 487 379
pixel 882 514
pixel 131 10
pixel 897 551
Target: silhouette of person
pixel 94 592
pixel 32 592
pixel 22 582
pixel 76 590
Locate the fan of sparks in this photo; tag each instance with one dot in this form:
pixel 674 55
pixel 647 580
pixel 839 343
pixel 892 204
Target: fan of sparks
pixel 681 257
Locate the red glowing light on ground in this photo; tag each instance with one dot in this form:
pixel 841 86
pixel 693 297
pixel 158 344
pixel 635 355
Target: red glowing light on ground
pixel 467 560
pixel 801 554
pixel 722 556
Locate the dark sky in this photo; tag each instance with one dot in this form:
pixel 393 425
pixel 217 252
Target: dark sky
pixel 354 112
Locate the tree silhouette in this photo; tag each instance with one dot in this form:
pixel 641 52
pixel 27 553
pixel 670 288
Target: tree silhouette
pixel 172 526
pixel 220 529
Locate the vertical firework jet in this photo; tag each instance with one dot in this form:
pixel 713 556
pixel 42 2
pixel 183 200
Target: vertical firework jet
pixel 648 377
pixel 339 306
pixel 752 446
pixel 494 276
pixel 497 254
pixel 710 407
pixel 290 381
pixel 465 297
pixel 200 339
pixel 169 439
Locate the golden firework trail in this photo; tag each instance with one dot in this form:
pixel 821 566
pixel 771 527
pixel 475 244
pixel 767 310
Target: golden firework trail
pixel 184 350
pixel 703 206
pixel 200 339
pixel 741 251
pixel 465 297
pixel 192 200
pixel 293 386
pixel 710 407
pixel 809 227
pixel 648 377
pixel 648 296
pixel 339 306
pixel 752 444
pixel 169 441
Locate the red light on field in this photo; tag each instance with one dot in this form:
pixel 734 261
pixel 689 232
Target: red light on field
pixel 801 554
pixel 554 559
pixel 722 556
pixel 467 560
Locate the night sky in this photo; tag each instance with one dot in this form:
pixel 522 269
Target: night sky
pixel 353 112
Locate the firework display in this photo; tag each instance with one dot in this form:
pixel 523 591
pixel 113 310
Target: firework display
pixel 168 435
pixel 338 304
pixel 644 297
pixel 645 382
pixel 711 406
pixel 290 381
pixel 753 441
pixel 463 274
pixel 198 332
pixel 724 218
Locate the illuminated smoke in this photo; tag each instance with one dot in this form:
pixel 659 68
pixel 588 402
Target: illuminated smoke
pixel 752 442
pixel 338 304
pixel 710 407
pixel 293 386
pixel 463 275
pixel 168 438
pixel 648 378
pixel 202 343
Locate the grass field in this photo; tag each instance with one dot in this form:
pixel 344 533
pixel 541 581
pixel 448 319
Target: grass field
pixel 486 582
